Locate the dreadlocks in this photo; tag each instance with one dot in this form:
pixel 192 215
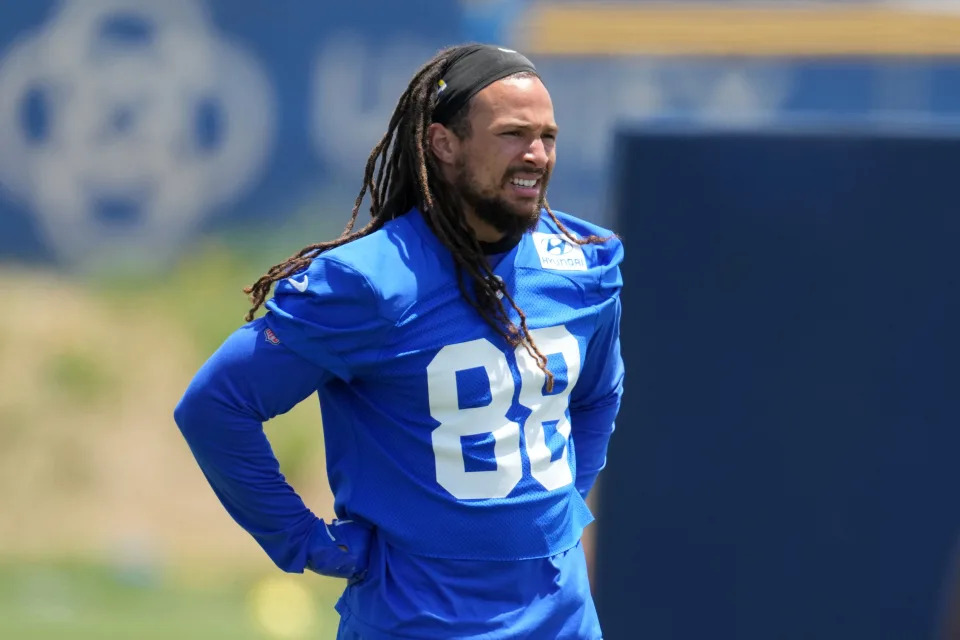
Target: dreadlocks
pixel 401 174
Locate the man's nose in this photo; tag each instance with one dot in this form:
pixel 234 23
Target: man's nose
pixel 536 154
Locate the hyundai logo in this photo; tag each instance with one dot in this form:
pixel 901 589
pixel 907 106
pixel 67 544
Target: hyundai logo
pixel 556 246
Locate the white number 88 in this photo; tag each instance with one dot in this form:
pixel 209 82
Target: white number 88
pixel 456 422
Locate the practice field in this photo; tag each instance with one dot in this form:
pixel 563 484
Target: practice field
pixel 93 466
pixel 84 601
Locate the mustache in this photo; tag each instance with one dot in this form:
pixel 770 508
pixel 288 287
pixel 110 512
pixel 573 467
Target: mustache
pixel 536 172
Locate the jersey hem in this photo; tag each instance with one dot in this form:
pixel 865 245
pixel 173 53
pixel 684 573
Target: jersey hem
pixel 566 546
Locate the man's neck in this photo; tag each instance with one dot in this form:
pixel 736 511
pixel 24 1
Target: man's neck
pixel 505 244
pixel 485 232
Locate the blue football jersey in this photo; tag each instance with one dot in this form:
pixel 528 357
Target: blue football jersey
pixel 437 431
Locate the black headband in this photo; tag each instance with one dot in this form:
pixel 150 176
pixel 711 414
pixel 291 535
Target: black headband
pixel 470 70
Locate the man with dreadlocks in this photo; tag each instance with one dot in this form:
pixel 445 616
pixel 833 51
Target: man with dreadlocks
pixel 464 345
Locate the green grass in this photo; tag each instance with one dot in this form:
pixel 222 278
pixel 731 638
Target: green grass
pixel 86 601
pixel 79 375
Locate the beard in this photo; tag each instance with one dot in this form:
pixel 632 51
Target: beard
pixel 492 208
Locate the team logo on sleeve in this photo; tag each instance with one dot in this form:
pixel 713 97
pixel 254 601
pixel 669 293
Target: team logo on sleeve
pixel 557 252
pixel 270 336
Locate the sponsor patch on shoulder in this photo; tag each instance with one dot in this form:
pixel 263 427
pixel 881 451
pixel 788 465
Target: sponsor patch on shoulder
pixel 271 336
pixel 558 253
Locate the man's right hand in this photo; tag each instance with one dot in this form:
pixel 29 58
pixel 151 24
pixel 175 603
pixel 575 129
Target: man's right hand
pixel 343 552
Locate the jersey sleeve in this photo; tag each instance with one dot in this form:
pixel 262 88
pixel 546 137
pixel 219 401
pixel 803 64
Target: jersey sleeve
pixel 247 381
pixel 328 314
pixel 595 401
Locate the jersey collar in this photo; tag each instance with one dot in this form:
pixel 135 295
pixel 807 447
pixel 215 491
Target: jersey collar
pixel 506 245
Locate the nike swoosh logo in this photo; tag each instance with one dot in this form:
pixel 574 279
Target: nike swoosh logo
pixel 300 285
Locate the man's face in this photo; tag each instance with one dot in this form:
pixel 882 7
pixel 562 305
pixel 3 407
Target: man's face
pixel 504 164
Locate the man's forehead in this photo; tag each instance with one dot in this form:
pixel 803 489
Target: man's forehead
pixel 514 93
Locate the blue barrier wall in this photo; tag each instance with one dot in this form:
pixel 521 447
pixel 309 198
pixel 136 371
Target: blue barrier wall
pixel 785 464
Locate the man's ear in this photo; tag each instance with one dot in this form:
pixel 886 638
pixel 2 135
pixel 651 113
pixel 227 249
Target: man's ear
pixel 443 143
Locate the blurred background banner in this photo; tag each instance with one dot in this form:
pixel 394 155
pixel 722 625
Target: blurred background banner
pixel 131 126
pixel 156 156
